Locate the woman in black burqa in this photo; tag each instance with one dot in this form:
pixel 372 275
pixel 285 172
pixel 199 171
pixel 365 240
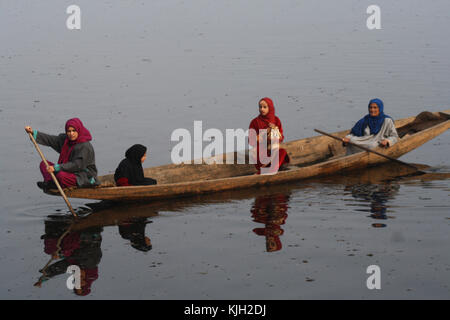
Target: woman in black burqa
pixel 130 171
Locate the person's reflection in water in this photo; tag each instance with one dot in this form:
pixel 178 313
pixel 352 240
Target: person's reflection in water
pixel 271 210
pixel 378 195
pixel 134 230
pixel 81 248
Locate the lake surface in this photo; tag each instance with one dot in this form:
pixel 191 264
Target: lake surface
pixel 135 72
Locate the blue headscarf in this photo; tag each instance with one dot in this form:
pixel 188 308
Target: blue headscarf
pixel 374 123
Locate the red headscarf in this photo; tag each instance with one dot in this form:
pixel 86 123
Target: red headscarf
pixel 90 276
pixel 272 234
pixel 270 116
pixel 262 122
pixel 83 136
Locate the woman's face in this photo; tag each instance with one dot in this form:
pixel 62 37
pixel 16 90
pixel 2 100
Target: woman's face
pixel 144 157
pixel 374 111
pixel 263 108
pixel 72 134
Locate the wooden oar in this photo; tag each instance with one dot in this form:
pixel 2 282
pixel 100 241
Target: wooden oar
pixel 53 175
pixel 370 150
pixel 54 254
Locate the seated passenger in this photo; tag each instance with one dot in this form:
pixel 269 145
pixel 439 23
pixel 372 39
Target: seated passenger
pixel 130 171
pixel 76 163
pixel 267 120
pixel 375 129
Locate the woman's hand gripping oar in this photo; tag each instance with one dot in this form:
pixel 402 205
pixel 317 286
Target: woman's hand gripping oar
pixel 51 173
pixel 372 151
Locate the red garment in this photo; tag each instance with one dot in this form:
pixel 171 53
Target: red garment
pixel 271 210
pixel 90 275
pixel 123 182
pixel 272 234
pixel 69 244
pixel 270 116
pixel 83 136
pixel 262 122
pixel 65 179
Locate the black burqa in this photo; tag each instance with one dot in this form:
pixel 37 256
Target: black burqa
pixel 131 167
pixel 134 230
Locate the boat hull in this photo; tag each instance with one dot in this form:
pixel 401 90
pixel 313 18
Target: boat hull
pixel 299 151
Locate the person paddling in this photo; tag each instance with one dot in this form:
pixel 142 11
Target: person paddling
pixel 375 129
pixel 76 163
pixel 130 171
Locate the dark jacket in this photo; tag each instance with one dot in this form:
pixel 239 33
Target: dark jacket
pixel 81 161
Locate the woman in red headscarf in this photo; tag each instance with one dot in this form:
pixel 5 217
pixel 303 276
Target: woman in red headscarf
pixel 76 163
pixel 268 121
pixel 271 210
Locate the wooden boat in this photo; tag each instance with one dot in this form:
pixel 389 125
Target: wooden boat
pixel 310 157
pixel 105 213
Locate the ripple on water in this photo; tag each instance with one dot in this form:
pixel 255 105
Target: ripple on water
pixel 40 211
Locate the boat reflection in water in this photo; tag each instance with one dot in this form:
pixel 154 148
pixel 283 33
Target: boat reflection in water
pixel 271 210
pixel 374 187
pixel 81 248
pixel 380 185
pixel 78 242
pixel 378 196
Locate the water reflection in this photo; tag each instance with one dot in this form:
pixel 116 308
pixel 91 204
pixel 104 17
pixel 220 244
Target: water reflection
pixel 378 196
pixel 271 210
pixel 379 185
pixel 134 230
pixel 71 247
pixel 78 242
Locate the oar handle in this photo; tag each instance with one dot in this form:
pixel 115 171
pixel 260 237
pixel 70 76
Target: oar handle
pixel 52 175
pixel 368 150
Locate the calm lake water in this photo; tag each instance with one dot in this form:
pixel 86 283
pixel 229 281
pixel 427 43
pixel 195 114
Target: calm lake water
pixel 138 70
